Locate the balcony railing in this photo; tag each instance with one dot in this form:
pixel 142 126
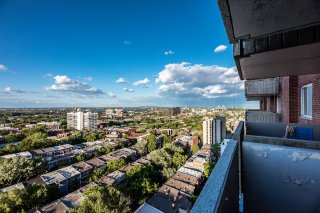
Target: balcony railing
pixel 262 116
pixel 262 87
pixel 275 174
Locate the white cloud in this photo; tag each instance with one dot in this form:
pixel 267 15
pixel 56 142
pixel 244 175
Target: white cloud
pixel 3 68
pixel 65 84
pixel 126 42
pixel 198 80
pixel 128 90
pixel 111 95
pixel 141 83
pixel 169 52
pixel 220 48
pixel 89 78
pixel 9 90
pixel 172 86
pixel 121 80
pixel 49 75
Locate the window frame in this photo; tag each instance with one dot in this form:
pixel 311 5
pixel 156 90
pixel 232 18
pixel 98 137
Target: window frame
pixel 302 98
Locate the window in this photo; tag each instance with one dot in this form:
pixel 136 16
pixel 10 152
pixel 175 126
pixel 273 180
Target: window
pixel 306 101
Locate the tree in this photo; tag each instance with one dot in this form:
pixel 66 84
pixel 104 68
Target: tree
pixel 22 200
pixel 19 168
pixel 160 158
pixel 103 199
pixel 10 138
pixel 12 201
pixel 34 140
pixel 216 150
pixel 194 149
pixel 113 165
pixel 168 172
pixel 208 169
pixel 141 182
pixel 178 160
pixel 141 147
pixel 93 136
pixel 97 174
pixel 37 195
pixel 151 143
pixel 104 150
pixel 80 157
pixel 167 140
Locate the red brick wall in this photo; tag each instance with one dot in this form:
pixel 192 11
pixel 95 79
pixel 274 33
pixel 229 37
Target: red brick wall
pixel 290 98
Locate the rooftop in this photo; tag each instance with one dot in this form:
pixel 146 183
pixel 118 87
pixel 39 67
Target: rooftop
pixel 55 207
pixel 95 162
pixel 69 172
pixel 169 200
pixel 82 166
pixel 53 177
pixel 113 178
pixel 73 199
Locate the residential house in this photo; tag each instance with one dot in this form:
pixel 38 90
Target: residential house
pixel 85 171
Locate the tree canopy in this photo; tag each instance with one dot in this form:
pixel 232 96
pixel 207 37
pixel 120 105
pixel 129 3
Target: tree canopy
pixel 103 199
pixel 151 142
pixel 15 169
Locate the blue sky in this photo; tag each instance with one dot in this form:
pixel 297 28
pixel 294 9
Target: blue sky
pixel 58 53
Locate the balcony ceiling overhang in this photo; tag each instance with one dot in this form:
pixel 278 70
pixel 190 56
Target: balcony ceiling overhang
pixel 251 19
pixel 273 38
pixel 298 60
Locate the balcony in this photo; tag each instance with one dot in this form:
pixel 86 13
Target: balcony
pixel 261 171
pixel 261 88
pixel 262 116
pixel 273 39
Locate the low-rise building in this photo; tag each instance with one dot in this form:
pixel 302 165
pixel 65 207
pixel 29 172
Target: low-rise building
pixel 73 177
pixel 170 200
pixel 19 154
pixel 113 179
pixel 96 163
pixel 85 170
pixel 57 178
pixel 72 200
pixel 15 186
pixel 57 206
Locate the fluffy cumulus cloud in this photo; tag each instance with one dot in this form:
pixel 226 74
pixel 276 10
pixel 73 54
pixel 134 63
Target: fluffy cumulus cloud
pixel 111 95
pixel 169 52
pixel 142 83
pixel 128 90
pixel 3 68
pixel 63 83
pixel 121 80
pixel 220 48
pixel 187 80
pixel 9 90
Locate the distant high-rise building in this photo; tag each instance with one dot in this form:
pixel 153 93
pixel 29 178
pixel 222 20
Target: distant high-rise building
pixel 80 120
pixel 90 120
pixel 214 130
pixel 175 111
pixel 109 113
pixel 119 112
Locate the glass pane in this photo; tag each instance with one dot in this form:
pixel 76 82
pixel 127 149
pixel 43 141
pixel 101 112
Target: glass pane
pixel 309 101
pixel 305 101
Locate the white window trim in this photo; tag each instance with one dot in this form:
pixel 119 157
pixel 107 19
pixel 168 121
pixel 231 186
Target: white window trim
pixel 302 104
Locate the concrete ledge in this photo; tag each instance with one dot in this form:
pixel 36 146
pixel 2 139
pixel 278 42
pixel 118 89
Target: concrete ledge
pixel 221 192
pixel 283 142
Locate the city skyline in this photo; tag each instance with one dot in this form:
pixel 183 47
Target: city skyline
pixel 116 53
